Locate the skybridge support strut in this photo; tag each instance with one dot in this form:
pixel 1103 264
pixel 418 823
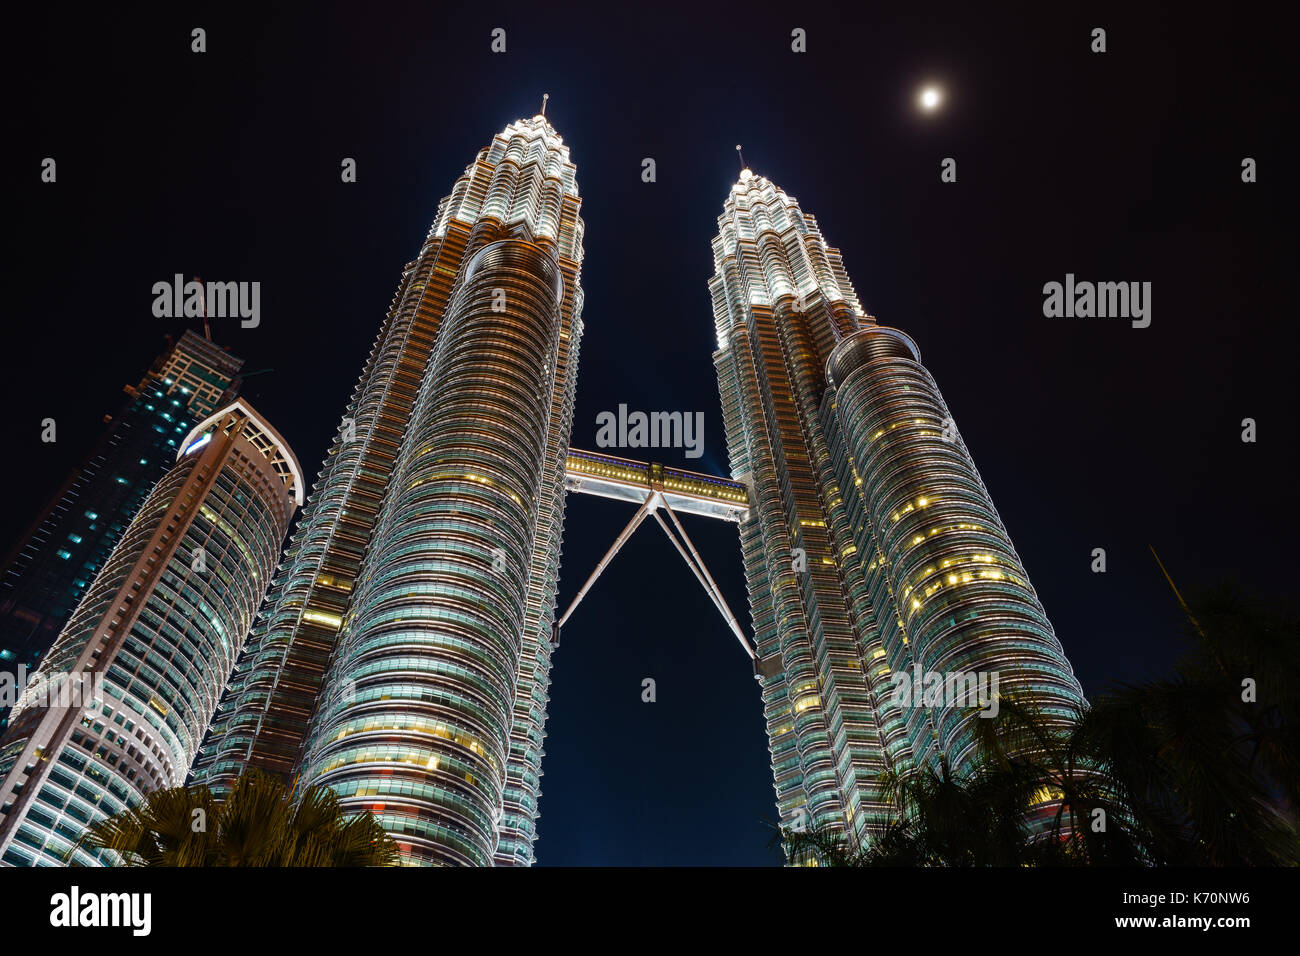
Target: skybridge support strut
pixel 650 506
pixel 689 563
pixel 632 525
pixel 711 587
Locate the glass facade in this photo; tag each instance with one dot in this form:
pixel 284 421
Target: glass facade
pixel 439 619
pixel 936 551
pixel 48 572
pixel 152 642
pixel 403 657
pixel 870 547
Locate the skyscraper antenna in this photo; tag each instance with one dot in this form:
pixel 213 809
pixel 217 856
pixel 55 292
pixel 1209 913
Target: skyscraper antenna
pixel 207 329
pixel 742 156
pixel 545 97
pixel 1173 587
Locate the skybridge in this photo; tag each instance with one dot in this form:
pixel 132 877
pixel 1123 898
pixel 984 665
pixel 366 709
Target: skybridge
pixel 657 490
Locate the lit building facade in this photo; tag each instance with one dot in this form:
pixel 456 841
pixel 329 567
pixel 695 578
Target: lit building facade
pixel 403 657
pixel 872 547
pixel 119 705
pixel 48 571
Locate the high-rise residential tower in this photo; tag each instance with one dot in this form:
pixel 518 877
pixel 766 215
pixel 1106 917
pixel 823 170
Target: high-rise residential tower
pixel 120 704
pixel 872 548
pixel 49 570
pixel 403 657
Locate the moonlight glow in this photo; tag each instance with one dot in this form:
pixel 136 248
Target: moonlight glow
pixel 930 98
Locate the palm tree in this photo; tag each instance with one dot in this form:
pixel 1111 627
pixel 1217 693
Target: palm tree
pixel 260 823
pixel 1057 789
pixel 1200 769
pixel 940 820
pixel 1209 759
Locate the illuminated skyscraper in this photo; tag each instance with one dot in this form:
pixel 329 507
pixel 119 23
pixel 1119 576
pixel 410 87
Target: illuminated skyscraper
pixel 403 657
pixel 50 568
pixel 118 707
pixel 872 548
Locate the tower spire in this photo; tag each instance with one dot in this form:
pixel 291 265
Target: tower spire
pixel 743 167
pixel 545 97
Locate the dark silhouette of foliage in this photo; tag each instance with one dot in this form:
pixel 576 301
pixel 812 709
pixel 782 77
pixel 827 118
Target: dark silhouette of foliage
pixel 1199 769
pixel 260 823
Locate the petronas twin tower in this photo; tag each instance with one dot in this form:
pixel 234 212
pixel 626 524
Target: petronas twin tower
pixel 890 610
pixel 403 652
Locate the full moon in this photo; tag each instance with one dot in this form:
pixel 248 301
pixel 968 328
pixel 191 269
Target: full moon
pixel 930 98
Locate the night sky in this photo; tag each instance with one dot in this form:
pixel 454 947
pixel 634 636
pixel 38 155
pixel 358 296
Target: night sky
pixel 1123 166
